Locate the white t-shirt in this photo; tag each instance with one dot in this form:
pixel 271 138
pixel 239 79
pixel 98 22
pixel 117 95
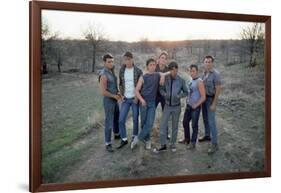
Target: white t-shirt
pixel 129 83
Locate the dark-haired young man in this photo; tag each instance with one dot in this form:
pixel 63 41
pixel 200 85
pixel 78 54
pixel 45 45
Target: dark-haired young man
pixel 146 91
pixel 109 91
pixel 212 82
pixel 162 67
pixel 129 75
pixel 196 97
pixel 173 90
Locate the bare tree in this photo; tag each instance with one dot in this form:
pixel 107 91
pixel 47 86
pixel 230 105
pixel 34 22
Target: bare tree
pixel 50 49
pixel 95 36
pixel 253 36
pixel 45 33
pixel 56 50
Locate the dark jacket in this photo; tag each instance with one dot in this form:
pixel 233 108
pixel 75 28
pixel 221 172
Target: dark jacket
pixel 137 74
pixel 173 94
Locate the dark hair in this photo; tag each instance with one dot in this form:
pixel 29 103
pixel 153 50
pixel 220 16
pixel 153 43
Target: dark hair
pixel 149 60
pixel 172 65
pixel 193 66
pixel 128 54
pixel 209 57
pixel 163 53
pixel 107 56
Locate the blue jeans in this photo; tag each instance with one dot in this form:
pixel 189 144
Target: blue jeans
pixel 111 111
pixel 147 120
pixel 193 116
pixel 209 118
pixel 160 99
pixel 125 107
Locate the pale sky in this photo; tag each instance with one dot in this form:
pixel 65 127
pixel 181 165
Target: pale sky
pixel 131 28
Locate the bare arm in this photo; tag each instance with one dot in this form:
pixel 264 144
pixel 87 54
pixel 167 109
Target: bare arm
pixel 103 87
pixel 162 77
pixel 137 91
pixel 202 92
pixel 215 100
pixel 164 73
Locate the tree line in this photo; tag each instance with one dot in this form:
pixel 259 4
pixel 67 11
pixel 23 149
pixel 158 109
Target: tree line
pixel 64 54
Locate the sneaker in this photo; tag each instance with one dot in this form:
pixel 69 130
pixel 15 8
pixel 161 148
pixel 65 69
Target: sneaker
pixel 184 141
pixel 161 149
pixel 213 148
pixel 134 143
pixel 205 138
pixel 148 145
pixel 191 146
pixel 173 148
pixel 117 136
pixel 109 148
pixel 122 144
pixel 133 137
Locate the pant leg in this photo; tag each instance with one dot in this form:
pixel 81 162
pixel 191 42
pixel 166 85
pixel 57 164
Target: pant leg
pixel 195 119
pixel 213 127
pixel 109 109
pixel 162 101
pixel 186 121
pixel 205 107
pixel 125 107
pixel 157 101
pixel 143 111
pixel 150 120
pixel 163 125
pixel 175 122
pixel 135 110
pixel 116 119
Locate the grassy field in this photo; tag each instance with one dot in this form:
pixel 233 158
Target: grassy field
pixel 72 111
pixel 73 138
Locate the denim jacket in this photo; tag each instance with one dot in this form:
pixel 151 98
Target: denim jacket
pixel 173 90
pixel 111 82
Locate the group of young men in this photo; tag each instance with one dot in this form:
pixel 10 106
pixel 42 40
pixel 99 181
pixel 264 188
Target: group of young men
pixel 142 91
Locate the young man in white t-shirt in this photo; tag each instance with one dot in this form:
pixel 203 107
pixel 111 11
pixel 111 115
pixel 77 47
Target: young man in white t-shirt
pixel 128 77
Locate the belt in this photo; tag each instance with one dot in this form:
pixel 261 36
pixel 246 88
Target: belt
pixel 129 98
pixel 173 105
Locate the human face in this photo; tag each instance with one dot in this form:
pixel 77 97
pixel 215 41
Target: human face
pixel 163 59
pixel 174 72
pixel 193 73
pixel 128 61
pixel 208 64
pixel 151 67
pixel 109 63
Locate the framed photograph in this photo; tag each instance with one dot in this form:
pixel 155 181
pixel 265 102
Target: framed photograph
pixel 126 96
